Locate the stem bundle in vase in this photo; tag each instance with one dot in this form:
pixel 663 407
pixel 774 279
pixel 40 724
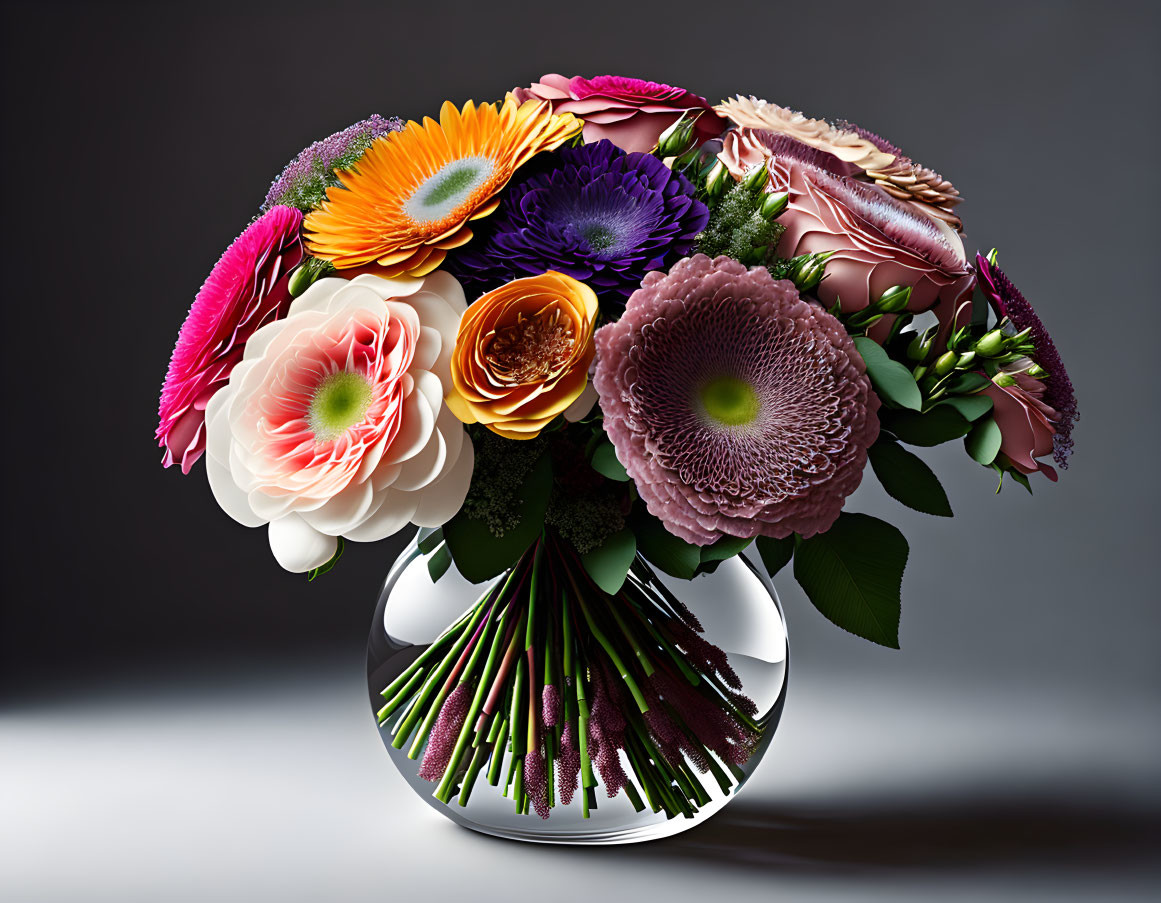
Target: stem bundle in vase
pixel 550 689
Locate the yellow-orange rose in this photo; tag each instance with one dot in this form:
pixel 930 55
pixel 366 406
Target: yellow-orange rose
pixel 522 354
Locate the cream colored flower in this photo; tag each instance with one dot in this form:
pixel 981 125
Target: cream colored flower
pixel 333 424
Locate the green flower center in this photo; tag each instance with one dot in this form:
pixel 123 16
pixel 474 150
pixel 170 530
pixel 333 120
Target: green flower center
pixel 599 237
pixel 730 401
pixel 443 192
pixel 340 401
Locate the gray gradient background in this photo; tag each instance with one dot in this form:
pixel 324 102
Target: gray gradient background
pixel 180 720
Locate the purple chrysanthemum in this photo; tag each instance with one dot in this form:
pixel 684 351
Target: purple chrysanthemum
pixel 1008 301
pixel 737 408
pixel 598 214
pixel 304 181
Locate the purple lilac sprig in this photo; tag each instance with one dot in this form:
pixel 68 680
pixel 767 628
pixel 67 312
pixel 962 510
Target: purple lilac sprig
pixel 304 181
pixel 1008 301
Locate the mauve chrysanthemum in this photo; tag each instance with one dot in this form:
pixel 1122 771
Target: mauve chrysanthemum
pixel 1008 301
pixel 304 181
pixel 246 289
pixel 598 214
pixel 737 408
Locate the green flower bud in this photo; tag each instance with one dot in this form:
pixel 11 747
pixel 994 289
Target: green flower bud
pixel 307 273
pixel 774 205
pixel 674 141
pixel 946 363
pixel 965 360
pixel 920 346
pixel 755 178
pixel 1036 371
pixel 894 299
pixel 808 269
pixel 991 344
pixel 717 180
pixel 1004 379
pixel 919 372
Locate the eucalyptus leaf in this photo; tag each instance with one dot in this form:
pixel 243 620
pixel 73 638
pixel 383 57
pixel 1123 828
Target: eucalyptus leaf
pixel 329 564
pixel 776 553
pixel 605 462
pixel 908 480
pixel 891 379
pixel 429 538
pixel 608 563
pixel 983 442
pixel 726 547
pixel 853 574
pixel 478 553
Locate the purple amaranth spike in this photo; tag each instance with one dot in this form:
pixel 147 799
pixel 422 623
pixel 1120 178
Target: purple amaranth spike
pixel 536 781
pixel 607 731
pixel 1008 301
pixel 671 740
pixel 551 705
pixel 705 654
pixel 714 727
pixel 568 764
pixel 444 734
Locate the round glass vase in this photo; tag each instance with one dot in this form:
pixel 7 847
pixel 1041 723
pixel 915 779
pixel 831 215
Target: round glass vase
pixel 685 737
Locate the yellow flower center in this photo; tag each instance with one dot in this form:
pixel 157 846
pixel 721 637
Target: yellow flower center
pixel 730 401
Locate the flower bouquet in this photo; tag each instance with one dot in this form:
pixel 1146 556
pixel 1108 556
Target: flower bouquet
pixel 601 340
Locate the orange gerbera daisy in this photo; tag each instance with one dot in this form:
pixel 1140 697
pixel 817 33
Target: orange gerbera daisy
pixel 412 196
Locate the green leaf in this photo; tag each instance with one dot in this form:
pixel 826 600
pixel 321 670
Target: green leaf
pixel 983 442
pixel 478 553
pixel 438 563
pixel 670 553
pixel 609 562
pixel 1020 478
pixel 726 547
pixel 891 379
pixel 328 565
pixel 605 463
pixel 968 383
pixel 853 574
pixel 776 553
pixel 429 538
pixel 970 407
pixel 908 480
pixel 940 424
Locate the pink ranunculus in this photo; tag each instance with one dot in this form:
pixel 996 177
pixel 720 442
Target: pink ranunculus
pixel 1025 423
pixel 246 289
pixel 334 423
pixel 877 241
pixel 630 112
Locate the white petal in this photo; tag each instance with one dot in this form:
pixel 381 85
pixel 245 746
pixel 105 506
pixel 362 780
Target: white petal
pixel 226 491
pixel 399 287
pixel 446 285
pixel 441 501
pixel 417 472
pixel 414 430
pixel 317 296
pixel 392 515
pixel 427 348
pixel 343 510
pixel 428 383
pixel 297 546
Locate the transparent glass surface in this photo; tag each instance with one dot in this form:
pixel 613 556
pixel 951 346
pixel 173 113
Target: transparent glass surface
pixel 740 612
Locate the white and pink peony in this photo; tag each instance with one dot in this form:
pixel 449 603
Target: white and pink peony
pixel 333 423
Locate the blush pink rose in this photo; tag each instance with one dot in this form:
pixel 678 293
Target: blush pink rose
pixel 1025 423
pixel 630 112
pixel 876 240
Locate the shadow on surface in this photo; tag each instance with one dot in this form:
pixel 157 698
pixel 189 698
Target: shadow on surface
pixel 967 832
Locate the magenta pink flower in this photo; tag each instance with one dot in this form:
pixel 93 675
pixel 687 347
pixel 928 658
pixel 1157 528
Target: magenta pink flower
pixel 245 290
pixel 737 408
pixel 630 112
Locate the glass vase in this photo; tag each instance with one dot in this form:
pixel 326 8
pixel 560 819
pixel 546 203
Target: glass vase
pixel 667 692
